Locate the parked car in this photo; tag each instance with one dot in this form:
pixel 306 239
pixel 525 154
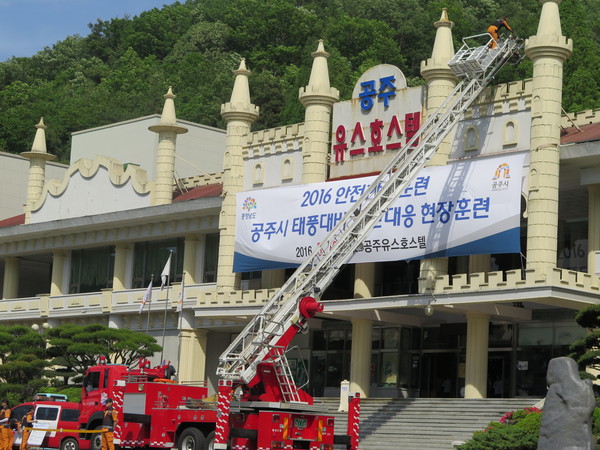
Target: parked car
pixel 54 415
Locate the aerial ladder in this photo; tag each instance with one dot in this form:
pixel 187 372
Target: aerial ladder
pixel 255 360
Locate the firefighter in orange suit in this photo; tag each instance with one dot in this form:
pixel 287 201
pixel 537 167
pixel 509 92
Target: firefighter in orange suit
pixel 5 431
pixel 495 27
pixel 109 422
pixel 27 422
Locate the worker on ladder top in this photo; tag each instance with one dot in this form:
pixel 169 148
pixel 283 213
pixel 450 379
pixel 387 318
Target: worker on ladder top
pixel 494 28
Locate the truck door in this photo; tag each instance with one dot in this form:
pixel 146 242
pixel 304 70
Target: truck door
pixel 47 417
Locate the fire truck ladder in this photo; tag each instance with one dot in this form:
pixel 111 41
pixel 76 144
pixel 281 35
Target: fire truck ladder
pixel 477 67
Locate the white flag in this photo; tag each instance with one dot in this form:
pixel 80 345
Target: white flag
pixel 147 297
pixel 166 273
pixel 181 295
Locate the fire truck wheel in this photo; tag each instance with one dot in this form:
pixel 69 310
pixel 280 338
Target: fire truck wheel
pixel 210 441
pixel 191 439
pixel 96 443
pixel 69 444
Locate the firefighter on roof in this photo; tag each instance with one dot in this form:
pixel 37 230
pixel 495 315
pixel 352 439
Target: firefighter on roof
pixel 495 27
pixel 109 422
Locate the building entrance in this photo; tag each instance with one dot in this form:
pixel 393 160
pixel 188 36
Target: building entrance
pixel 499 374
pixel 439 374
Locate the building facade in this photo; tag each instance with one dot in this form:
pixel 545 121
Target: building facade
pixel 446 323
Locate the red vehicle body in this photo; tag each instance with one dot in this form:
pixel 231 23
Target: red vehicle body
pixel 157 412
pixel 55 415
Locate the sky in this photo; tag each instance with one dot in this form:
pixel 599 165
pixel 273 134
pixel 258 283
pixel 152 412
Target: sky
pixel 27 26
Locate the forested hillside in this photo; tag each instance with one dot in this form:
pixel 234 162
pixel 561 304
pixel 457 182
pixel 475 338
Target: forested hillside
pixel 122 69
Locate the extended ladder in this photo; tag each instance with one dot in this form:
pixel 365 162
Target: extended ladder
pixel 238 363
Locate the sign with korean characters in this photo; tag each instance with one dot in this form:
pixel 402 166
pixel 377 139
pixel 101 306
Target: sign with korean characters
pixel 464 208
pixel 378 121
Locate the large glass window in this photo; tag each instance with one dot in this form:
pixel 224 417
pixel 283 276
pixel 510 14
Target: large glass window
pixel 538 343
pixel 330 361
pixel 211 258
pixel 91 269
pixel 573 245
pixel 392 358
pixel 150 259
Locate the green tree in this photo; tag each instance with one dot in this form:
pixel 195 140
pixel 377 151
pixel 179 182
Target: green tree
pixel 22 361
pixel 74 348
pixel 586 351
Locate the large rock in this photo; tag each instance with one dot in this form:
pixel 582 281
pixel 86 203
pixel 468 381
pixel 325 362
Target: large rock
pixel 567 415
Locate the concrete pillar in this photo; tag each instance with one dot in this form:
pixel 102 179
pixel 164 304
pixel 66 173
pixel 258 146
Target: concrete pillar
pixel 239 114
pixel 190 256
pixel 477 355
pixel 10 288
pixel 116 321
pixel 429 269
pixel 364 280
pixel 37 168
pixel 593 227
pixel 318 98
pixel 548 50
pixel 59 259
pixel 167 130
pixel 192 355
pixel 360 357
pixel 123 254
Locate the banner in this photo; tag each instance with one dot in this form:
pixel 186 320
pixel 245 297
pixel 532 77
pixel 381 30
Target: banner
pixel 464 208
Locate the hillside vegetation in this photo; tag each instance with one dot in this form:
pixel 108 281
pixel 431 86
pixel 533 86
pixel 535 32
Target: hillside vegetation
pixel 124 66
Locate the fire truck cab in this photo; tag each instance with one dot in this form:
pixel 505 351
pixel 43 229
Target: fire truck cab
pixel 154 411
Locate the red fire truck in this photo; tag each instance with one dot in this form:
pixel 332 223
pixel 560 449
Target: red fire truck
pixel 268 413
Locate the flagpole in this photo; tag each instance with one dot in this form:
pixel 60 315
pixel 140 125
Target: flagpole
pixel 180 333
pixel 164 326
pixel 165 279
pixel 149 306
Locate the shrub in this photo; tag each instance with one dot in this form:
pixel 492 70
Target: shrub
pixel 516 430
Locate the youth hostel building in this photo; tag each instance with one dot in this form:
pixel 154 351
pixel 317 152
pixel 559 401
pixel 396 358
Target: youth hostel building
pixel 468 285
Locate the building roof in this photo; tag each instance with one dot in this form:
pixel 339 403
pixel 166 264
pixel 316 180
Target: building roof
pixel 209 190
pixel 11 221
pixel 583 133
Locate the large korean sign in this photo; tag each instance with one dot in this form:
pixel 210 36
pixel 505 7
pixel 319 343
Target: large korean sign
pixel 376 123
pixel 464 208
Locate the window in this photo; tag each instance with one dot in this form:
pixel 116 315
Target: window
pixel 211 258
pixel 150 259
pixel 69 415
pixel 46 413
pixel 92 381
pixel 91 269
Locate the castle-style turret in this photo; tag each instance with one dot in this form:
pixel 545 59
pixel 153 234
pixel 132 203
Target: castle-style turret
pixel 37 168
pixel 548 50
pixel 441 81
pixel 239 114
pixel 318 98
pixel 167 130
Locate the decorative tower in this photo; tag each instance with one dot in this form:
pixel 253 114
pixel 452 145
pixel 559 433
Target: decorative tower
pixel 548 50
pixel 318 98
pixel 239 114
pixel 441 81
pixel 167 130
pixel 37 168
